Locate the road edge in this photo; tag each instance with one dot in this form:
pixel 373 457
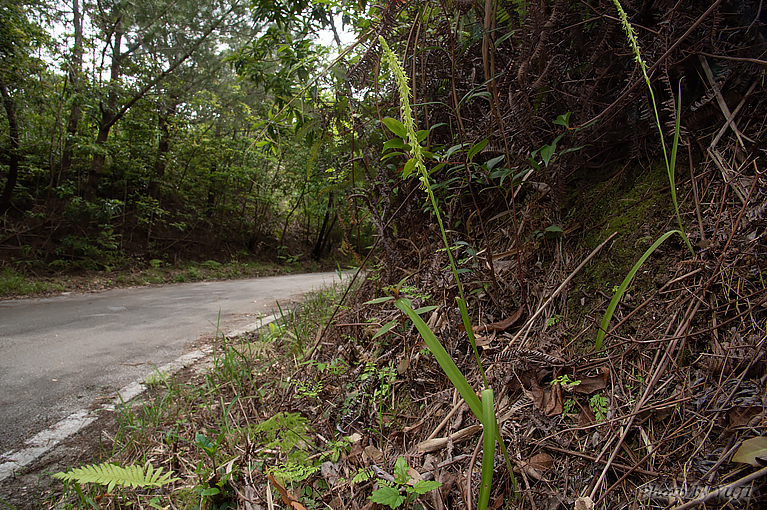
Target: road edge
pixel 46 440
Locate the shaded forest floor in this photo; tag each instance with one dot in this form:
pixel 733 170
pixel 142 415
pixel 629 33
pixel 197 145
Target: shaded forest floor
pixel 316 411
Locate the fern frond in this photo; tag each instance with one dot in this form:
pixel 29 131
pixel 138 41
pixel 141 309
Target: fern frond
pixel 134 476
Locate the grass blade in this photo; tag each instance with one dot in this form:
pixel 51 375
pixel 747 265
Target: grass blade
pixel 488 448
pixel 444 359
pixel 626 281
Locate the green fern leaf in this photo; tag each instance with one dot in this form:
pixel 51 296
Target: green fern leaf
pixel 110 475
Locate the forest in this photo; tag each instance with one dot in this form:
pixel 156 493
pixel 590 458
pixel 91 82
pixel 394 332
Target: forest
pixel 559 205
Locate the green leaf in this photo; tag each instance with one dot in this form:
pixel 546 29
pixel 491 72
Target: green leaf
pixel 205 443
pixel 477 148
pixel 212 491
pixel 378 300
pixel 752 451
pixel 363 476
pixel 424 309
pixel 547 152
pixel 388 496
pixel 626 281
pixel 493 162
pixel 444 359
pixel 422 134
pixel 401 471
pixel 395 126
pixel 394 143
pixel 563 120
pixel 488 448
pixel 386 327
pixel 423 486
pixel 408 168
pixel 110 475
pixel 454 148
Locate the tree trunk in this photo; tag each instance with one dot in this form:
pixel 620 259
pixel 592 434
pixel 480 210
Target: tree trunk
pixel 324 230
pixel 108 115
pixel 163 147
pixel 76 113
pixel 13 163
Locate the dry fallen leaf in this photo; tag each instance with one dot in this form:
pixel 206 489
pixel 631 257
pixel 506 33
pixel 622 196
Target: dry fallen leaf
pixel 554 402
pixel 591 385
pixel 584 503
pixel 541 461
pixel 500 325
pixel 371 452
pixel 753 451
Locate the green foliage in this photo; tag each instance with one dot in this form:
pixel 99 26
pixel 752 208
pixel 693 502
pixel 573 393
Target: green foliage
pixel 625 284
pixel 565 381
pixel 292 472
pixel 111 475
pixel 570 407
pixel 670 161
pixel 389 494
pixel 598 404
pixel 15 283
pixel 286 432
pixel 435 346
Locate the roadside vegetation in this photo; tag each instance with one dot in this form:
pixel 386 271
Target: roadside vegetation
pixel 15 284
pixel 560 209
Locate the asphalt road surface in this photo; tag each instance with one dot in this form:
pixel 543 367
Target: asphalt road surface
pixel 61 354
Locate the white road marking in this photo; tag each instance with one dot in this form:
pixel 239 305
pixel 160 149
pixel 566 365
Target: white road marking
pixel 43 442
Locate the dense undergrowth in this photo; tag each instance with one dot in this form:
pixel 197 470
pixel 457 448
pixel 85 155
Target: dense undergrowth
pixel 613 383
pixel 330 408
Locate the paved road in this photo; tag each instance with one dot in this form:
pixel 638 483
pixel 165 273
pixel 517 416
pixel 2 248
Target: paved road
pixel 59 354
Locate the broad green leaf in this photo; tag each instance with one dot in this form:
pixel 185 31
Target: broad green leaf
pixel 408 168
pixel 203 442
pixel 394 143
pixel 423 486
pixel 571 149
pixel 422 134
pixel 626 281
pixel 477 148
pixel 547 152
pixel 386 327
pixel 454 148
pixel 396 127
pixel 388 496
pixel 437 168
pixel 752 451
pixel 502 173
pixel 444 359
pixel 491 164
pixel 563 120
pixel 488 448
pixel 401 471
pixel 424 309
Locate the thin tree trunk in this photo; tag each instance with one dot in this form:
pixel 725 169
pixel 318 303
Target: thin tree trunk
pixel 13 163
pixel 76 113
pixel 108 115
pixel 163 147
pixel 324 230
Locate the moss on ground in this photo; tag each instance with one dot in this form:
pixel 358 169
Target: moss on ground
pixel 640 210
